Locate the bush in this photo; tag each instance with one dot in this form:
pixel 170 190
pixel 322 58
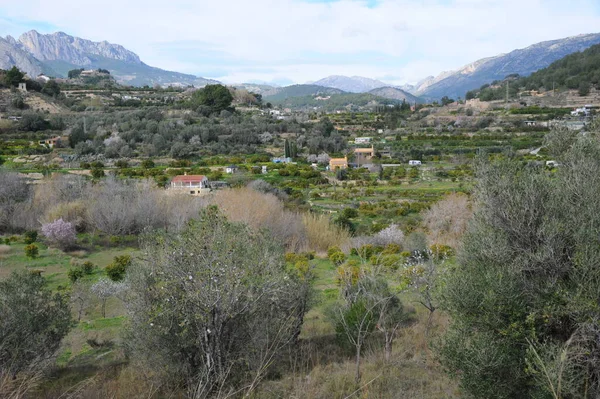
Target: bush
pixel 88 267
pixel 147 164
pixel 337 258
pixel 75 274
pixel 30 237
pixel 117 269
pixel 98 173
pixel 350 213
pixel 332 250
pixel 34 322
pixel 60 233
pixel 32 251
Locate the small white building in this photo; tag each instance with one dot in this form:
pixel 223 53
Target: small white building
pixel 551 164
pixel 264 170
pixel 414 162
pixel 231 169
pixel 362 140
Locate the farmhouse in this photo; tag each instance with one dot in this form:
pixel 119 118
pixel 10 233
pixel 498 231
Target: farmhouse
pixel 363 155
pixel 338 163
pixel 52 142
pixel 414 162
pixel 194 184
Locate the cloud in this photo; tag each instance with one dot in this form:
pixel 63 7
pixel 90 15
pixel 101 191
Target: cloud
pixel 306 40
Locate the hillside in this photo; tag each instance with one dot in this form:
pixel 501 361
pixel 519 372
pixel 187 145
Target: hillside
pixel 394 93
pixel 353 84
pixel 579 71
pixel 523 62
pixel 282 93
pixel 333 102
pixel 57 53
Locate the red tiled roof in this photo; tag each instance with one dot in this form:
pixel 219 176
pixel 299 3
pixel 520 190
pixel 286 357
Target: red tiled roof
pixel 188 178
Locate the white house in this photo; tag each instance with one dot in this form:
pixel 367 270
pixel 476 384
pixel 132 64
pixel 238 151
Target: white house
pixel 195 184
pixel 414 162
pixel 362 140
pixel 551 164
pixel 231 169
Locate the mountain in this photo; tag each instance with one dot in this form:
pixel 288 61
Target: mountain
pixel 394 93
pixel 59 53
pixel 354 84
pixel 523 62
pixel 11 54
pixel 578 71
pixel 282 93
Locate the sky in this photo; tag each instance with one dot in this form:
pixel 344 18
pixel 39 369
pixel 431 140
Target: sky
pixel 298 41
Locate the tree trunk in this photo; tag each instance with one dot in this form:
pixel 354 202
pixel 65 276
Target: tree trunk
pixel 357 376
pixel 104 309
pixel 389 339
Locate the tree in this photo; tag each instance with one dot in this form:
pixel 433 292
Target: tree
pixel 51 88
pixel 117 269
pixel 75 73
pixel 584 89
pixel 105 289
pixel 80 297
pixel 13 77
pixel 60 234
pixel 33 121
pixel 523 299
pixel 216 97
pixel 211 304
pixel 447 100
pixel 34 321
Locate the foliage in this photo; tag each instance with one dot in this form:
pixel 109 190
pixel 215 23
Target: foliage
pixel 34 321
pixel 525 293
pixel 60 233
pixel 29 237
pixel 212 303
pixel 215 98
pixel 13 77
pixel 97 173
pixel 118 268
pixel 32 251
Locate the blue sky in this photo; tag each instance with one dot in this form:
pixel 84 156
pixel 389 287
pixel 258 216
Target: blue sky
pixel 285 41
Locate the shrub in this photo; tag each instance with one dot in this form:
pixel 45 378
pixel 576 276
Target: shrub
pixel 60 233
pixel 117 269
pixel 75 274
pixel 97 173
pixel 391 249
pixel 333 250
pixel 350 213
pixel 32 251
pixel 30 237
pixel 147 164
pixel 88 267
pixel 337 258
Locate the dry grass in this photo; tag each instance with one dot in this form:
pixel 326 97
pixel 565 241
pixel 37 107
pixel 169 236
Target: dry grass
pixel 4 249
pixel 411 373
pixel 263 211
pixel 322 234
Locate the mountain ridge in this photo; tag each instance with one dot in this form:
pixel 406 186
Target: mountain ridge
pixel 57 53
pixel 520 61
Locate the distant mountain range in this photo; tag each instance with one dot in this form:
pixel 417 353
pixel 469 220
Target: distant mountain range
pixel 57 53
pixel 395 93
pixel 523 62
pixel 353 84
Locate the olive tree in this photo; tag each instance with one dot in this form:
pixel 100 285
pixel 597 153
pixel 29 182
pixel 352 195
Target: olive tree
pixel 33 321
pixel 524 298
pixel 211 306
